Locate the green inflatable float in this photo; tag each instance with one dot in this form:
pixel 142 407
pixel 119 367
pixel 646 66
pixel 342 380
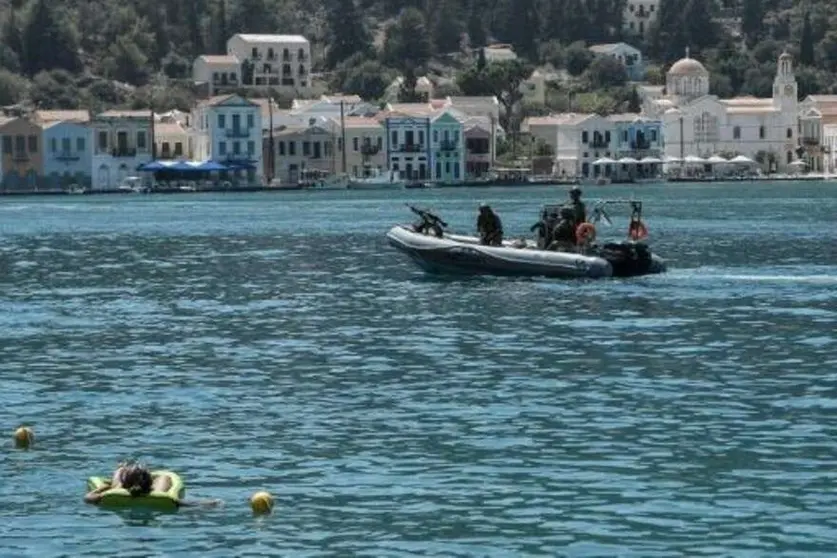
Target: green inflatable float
pixel 121 498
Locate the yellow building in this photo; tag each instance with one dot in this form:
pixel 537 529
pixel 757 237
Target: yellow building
pixel 23 157
pixel 365 151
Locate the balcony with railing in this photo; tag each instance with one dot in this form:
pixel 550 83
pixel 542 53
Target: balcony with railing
pixel 810 141
pixel 20 156
pixel 67 156
pixel 369 149
pixel 640 144
pixel 642 13
pixel 478 146
pixel 599 142
pixel 237 132
pixel 410 148
pixel 123 152
pixel 448 145
pixel 224 79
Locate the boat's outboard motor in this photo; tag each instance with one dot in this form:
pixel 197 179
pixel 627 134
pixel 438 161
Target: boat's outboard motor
pixel 628 259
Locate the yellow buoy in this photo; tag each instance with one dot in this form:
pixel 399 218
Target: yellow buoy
pixel 24 437
pixel 261 502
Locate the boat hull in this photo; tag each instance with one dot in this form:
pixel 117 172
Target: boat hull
pixel 360 185
pixel 462 255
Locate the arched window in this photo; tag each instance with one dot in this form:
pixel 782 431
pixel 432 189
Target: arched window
pixel 736 132
pixel 790 133
pixel 790 157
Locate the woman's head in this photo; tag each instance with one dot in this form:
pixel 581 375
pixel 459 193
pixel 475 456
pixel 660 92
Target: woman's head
pixel 136 479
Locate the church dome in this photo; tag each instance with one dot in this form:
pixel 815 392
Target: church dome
pixel 687 67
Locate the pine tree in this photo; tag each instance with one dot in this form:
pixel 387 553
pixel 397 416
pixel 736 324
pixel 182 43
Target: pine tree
pixel 48 41
pixel 752 20
pixel 521 28
pixel 407 91
pixel 447 27
pixel 476 25
pixel 806 42
pixel 347 32
pixel 12 36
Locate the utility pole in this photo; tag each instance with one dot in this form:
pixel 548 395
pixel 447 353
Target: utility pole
pixel 343 135
pixel 271 157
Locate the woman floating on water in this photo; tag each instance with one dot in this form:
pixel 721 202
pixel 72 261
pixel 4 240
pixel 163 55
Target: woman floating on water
pixel 138 481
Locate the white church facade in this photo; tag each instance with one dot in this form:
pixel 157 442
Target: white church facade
pixel 696 123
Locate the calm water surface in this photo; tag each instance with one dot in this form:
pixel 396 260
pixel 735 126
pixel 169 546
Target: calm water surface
pixel 276 342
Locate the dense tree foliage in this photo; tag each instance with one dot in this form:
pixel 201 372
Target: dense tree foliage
pixel 129 52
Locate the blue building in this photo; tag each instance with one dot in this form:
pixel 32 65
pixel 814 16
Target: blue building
pixel 67 154
pixel 639 138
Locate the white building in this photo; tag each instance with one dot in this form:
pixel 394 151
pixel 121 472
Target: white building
pixel 817 120
pixel 577 140
pixel 172 141
pixel 630 57
pixel 424 87
pixel 640 15
pixel 217 72
pixel 228 129
pixel 122 141
pixel 696 123
pixel 499 52
pixel 281 62
pixel 829 144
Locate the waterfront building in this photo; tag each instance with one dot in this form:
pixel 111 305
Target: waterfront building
pixel 478 132
pixel 122 141
pixel 829 147
pixel 300 149
pixel 22 159
pixel 639 138
pixel 67 154
pixel 447 147
pixel 365 153
pixel 172 141
pixel 423 143
pixel 816 112
pixel 697 123
pixel 481 130
pixel 280 62
pixel 228 129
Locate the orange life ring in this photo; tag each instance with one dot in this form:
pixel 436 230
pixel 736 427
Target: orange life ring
pixel 637 230
pixel 585 232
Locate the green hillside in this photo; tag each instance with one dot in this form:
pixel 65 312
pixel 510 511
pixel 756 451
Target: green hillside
pixel 97 53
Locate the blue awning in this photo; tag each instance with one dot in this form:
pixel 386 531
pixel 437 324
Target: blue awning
pixel 152 166
pixel 183 166
pixel 212 166
pixel 239 164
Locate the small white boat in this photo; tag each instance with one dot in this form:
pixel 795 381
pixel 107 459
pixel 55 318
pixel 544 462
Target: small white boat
pixel 133 185
pixel 76 189
pixel 377 181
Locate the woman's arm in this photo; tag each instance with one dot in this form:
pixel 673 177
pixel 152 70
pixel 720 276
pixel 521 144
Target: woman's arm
pixel 94 496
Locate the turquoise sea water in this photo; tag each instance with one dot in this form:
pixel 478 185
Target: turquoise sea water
pixel 274 341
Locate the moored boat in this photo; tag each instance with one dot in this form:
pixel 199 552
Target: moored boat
pixel 377 181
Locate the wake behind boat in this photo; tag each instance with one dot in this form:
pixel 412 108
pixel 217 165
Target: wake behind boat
pixel 437 251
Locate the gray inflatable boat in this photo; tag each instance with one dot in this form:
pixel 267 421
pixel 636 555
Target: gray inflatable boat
pixel 437 251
